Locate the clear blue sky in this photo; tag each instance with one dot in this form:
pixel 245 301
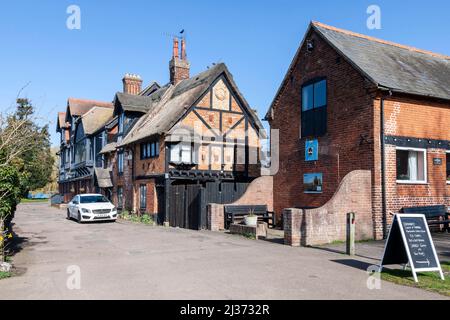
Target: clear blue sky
pixel 256 39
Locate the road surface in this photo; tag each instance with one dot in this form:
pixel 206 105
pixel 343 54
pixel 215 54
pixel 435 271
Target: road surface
pixel 61 259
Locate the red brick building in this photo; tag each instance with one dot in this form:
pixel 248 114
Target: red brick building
pixel 352 102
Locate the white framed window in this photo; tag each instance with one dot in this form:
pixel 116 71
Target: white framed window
pixel 181 153
pixel 447 166
pixel 411 165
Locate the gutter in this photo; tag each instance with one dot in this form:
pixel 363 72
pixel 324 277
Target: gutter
pixel 383 161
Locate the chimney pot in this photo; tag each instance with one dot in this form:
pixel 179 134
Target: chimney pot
pixel 179 68
pixel 132 83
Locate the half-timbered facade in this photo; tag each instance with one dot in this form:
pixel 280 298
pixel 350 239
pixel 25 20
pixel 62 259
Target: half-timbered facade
pixel 81 141
pixel 197 142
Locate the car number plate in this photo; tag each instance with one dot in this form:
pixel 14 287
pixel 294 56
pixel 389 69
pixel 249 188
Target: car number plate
pixel 103 215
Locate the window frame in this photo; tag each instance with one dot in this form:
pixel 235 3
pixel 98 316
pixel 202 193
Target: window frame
pixel 425 166
pixel 120 162
pixel 143 197
pixel 447 154
pixel 179 146
pixel 323 108
pixel 119 197
pixel 149 150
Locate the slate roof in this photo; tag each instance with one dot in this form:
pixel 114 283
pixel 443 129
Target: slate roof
pixel 170 103
pixel 95 119
pixel 388 65
pixel 132 102
pixel 148 90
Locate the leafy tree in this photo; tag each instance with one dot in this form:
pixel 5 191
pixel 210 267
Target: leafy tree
pixel 25 161
pixel 35 161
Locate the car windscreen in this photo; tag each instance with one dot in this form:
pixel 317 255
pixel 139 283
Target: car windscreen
pixel 93 199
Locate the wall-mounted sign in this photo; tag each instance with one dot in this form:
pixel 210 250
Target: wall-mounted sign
pixel 312 182
pixel 437 161
pixel 311 150
pixel 409 241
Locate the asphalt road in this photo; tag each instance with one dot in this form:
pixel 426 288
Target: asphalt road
pixel 130 261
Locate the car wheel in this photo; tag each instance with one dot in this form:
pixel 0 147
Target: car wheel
pixel 79 217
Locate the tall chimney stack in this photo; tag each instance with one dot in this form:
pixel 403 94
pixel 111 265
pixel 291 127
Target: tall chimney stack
pixel 132 83
pixel 179 67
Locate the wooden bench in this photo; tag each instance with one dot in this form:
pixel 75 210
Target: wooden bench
pixel 435 215
pixel 235 213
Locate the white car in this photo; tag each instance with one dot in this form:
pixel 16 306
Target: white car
pixel 91 207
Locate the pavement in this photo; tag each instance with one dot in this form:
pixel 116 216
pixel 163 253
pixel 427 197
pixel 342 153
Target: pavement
pixel 61 259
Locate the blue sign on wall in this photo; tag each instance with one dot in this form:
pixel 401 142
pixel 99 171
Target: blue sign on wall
pixel 311 150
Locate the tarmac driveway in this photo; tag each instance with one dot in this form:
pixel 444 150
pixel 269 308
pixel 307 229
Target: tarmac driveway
pixel 131 261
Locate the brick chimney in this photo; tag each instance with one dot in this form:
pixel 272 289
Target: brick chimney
pixel 132 83
pixel 179 66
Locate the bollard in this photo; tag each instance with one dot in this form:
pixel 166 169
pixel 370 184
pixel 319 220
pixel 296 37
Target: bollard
pixel 350 245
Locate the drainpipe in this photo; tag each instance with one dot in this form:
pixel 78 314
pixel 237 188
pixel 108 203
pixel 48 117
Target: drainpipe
pixel 383 165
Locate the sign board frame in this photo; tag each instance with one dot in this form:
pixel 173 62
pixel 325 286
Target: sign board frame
pixel 398 219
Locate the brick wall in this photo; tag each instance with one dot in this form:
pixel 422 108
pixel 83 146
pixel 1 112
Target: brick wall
pixel 260 191
pixel 348 144
pixel 328 223
pixel 149 166
pixel 417 118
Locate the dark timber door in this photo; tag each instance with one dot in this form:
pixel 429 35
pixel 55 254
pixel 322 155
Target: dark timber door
pixel 187 202
pixel 184 206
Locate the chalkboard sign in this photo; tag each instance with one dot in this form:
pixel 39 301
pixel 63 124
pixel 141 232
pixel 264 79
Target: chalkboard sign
pixel 409 241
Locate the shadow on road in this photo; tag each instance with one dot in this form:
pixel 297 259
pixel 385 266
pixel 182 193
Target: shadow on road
pixel 354 263
pixel 17 243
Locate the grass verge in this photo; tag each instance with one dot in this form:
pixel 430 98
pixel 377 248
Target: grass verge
pixel 4 275
pixel 429 281
pixel 25 200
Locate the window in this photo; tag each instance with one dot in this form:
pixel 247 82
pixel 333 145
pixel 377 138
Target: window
pixel 181 153
pixel 120 162
pixel 119 197
pixel 448 166
pixel 411 165
pixel 149 150
pixel 121 122
pixel 143 196
pixel 314 111
pixel 93 199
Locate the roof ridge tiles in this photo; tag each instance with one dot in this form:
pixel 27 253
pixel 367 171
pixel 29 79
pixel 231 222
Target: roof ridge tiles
pixel 398 45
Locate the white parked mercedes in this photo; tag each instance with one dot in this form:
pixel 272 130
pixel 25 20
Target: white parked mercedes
pixel 91 207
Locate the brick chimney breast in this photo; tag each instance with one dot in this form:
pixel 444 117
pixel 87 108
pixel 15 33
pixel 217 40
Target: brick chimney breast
pixel 179 67
pixel 132 83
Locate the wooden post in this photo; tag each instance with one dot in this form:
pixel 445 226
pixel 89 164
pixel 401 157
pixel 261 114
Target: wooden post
pixel 350 245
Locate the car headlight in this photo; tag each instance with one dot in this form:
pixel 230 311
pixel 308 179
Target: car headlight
pixel 84 210
pixel 114 209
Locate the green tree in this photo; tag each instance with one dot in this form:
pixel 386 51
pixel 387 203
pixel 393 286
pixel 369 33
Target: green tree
pixel 25 161
pixel 35 161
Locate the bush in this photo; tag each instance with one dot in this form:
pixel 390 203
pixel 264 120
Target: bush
pixel 9 198
pixel 145 218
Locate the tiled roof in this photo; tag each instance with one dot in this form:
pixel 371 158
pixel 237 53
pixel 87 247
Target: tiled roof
pixel 78 107
pixel 387 65
pixel 167 105
pixel 95 119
